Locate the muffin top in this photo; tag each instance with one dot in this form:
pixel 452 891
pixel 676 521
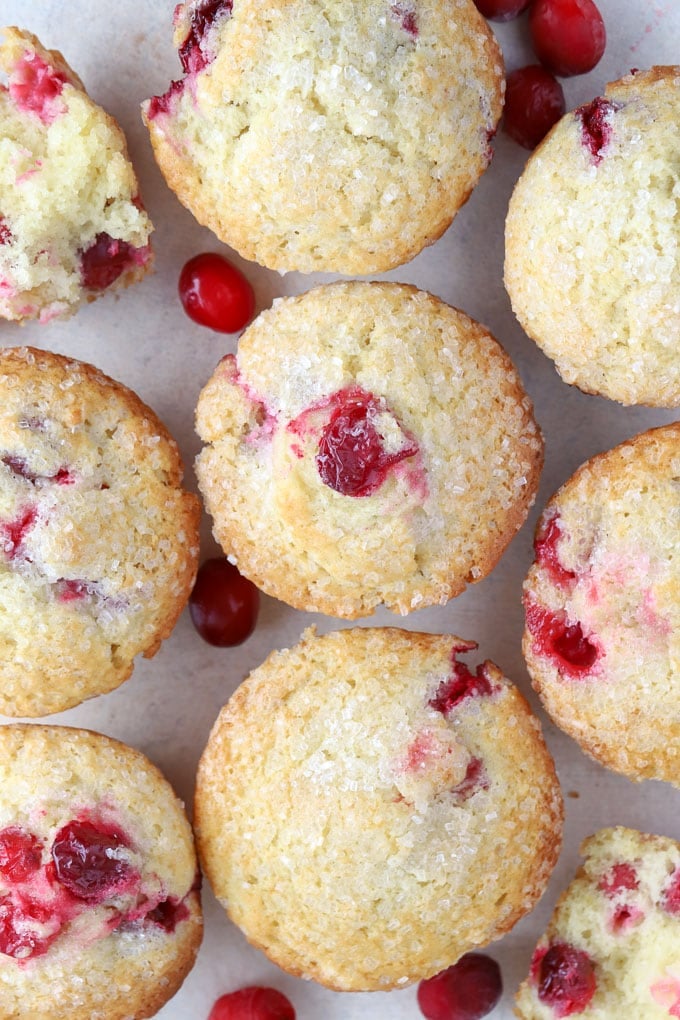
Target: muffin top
pixel 592 265
pixel 368 808
pixel 611 947
pixel 338 135
pixel 367 444
pixel 602 638
pixel 71 220
pixel 98 540
pixel 99 901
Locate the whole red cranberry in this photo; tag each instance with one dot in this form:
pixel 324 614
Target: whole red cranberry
pixel 534 102
pixel 568 36
pixel 466 991
pixel 566 979
pixel 216 294
pixel 223 604
pixel 253 1004
pixel 501 10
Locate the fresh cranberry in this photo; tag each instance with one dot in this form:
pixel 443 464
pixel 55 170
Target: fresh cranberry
pixel 566 979
pixel 23 929
pixel 466 991
pixel 253 1004
pixel 534 102
pixel 568 36
pixel 216 294
pixel 107 257
pixel 596 126
pixel 223 604
pixel 351 458
pixel 476 778
pixel 545 544
pixel 619 877
pixel 193 53
pixel 501 10
pixel 670 900
pixel 571 650
pixel 20 854
pixel 88 861
pixel 460 685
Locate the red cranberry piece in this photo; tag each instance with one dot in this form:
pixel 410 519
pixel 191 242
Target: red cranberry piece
pixel 223 604
pixel 476 778
pixel 6 235
pixel 193 53
pixel 168 914
pixel 20 854
pixel 670 900
pixel 501 10
pixel 20 467
pixel 466 991
pixel 88 861
pixel 163 104
pixel 619 877
pixel 351 458
pixel 14 532
pixel 35 86
pixel 566 979
pixel 407 18
pixel 107 257
pixel 216 294
pixel 596 126
pixel 565 643
pixel 545 544
pixel 534 102
pixel 568 36
pixel 253 1004
pixel 19 923
pixel 460 685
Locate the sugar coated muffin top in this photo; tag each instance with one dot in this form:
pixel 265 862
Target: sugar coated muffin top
pixel 602 600
pixel 71 220
pixel 611 947
pixel 98 540
pixel 592 265
pixel 338 135
pixel 368 808
pixel 100 911
pixel 367 444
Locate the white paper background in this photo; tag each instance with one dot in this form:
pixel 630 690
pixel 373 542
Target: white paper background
pixel 123 52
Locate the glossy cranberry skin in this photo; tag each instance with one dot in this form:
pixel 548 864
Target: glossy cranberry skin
pixel 568 36
pixel 534 102
pixel 103 262
pixel 20 854
pixel 253 1004
pixel 566 979
pixel 468 990
pixel 87 861
pixel 216 294
pixel 501 10
pixel 223 604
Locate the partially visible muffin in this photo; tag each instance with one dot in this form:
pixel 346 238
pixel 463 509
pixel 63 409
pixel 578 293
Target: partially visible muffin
pixel 602 600
pixel 71 220
pixel 98 540
pixel 368 444
pixel 592 265
pixel 611 947
pixel 338 135
pixel 368 808
pixel 100 912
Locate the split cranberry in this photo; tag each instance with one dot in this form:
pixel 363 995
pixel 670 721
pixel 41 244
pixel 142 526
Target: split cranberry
pixel 223 604
pixel 466 991
pixel 88 861
pixel 164 104
pixel 501 10
pixel 216 294
pixel 670 900
pixel 102 263
pixel 534 102
pixel 253 1004
pixel 168 914
pixel 476 778
pixel 568 36
pixel 351 458
pixel 571 650
pixel 20 854
pixel 193 53
pixel 19 928
pixel 460 685
pixel 619 877
pixel 566 979
pixel 547 556
pixel 596 126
